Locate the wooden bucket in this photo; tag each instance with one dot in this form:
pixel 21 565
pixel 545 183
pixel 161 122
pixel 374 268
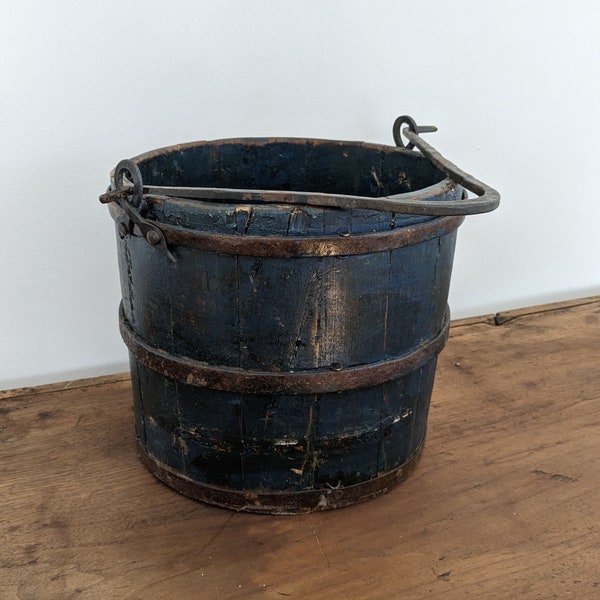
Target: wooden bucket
pixel 283 334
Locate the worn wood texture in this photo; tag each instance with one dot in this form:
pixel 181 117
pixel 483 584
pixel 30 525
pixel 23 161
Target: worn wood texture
pixel 503 503
pixel 280 315
pixel 240 294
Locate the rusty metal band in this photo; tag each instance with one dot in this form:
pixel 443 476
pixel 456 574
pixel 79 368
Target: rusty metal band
pixel 315 381
pixel 288 247
pixel 282 503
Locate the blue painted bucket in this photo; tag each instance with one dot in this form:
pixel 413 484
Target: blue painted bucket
pixel 283 321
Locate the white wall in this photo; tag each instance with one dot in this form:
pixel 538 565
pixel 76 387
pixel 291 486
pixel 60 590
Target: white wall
pixel 512 85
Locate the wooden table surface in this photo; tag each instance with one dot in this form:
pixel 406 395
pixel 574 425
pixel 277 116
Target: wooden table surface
pixel 504 503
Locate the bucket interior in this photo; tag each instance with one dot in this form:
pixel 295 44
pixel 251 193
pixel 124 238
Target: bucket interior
pixel 334 167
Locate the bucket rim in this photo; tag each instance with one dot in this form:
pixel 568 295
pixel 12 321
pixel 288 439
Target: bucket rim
pixel 440 195
pixel 263 141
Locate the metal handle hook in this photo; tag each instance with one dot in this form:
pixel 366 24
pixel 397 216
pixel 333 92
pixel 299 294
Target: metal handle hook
pixel 397 130
pixel 488 199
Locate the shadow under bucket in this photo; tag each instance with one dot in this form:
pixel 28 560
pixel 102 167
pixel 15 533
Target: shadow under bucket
pixel 284 303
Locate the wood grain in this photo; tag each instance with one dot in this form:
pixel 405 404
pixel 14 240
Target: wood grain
pixel 504 502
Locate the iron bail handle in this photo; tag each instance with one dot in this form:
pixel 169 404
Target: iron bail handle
pixel 419 202
pixel 488 198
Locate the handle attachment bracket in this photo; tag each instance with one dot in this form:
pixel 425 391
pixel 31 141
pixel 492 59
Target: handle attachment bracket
pixel 129 198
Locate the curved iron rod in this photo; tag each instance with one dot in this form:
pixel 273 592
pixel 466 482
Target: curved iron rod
pixel 488 199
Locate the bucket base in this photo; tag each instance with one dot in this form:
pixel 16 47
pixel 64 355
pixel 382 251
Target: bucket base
pixel 280 503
